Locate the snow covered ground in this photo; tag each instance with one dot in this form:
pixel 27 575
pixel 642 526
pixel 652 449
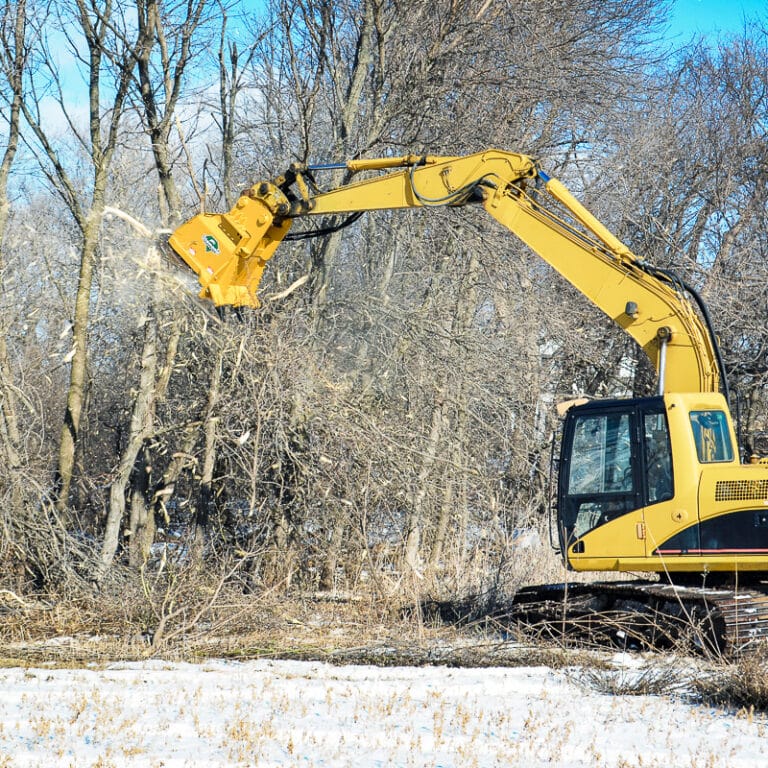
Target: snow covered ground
pixel 270 713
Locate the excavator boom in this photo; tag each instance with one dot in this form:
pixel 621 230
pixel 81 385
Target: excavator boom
pixel 229 251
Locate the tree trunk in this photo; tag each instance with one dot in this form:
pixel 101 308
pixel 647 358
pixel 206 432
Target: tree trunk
pixel 141 420
pixel 78 377
pixel 333 552
pixel 205 503
pixel 418 506
pixel 141 526
pixel 8 400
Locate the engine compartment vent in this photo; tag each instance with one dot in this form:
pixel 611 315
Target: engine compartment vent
pixel 741 490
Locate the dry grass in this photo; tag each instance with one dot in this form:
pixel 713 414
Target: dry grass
pixel 248 627
pixel 657 676
pixel 740 685
pixel 186 615
pixel 181 612
pixel 209 616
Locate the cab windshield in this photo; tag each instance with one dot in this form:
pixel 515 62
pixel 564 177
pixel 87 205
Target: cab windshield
pixel 602 455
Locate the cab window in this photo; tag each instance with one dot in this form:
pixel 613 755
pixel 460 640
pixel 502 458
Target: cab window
pixel 711 435
pixel 658 458
pixel 601 458
pixel 600 484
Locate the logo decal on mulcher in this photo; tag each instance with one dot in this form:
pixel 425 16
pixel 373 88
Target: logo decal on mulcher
pixel 211 244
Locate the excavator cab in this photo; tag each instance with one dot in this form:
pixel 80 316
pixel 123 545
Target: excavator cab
pixel 655 484
pixel 616 459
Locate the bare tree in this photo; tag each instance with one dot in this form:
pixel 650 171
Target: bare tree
pixel 13 24
pixel 167 35
pixel 357 78
pixel 391 401
pixel 701 204
pixel 233 66
pixel 89 28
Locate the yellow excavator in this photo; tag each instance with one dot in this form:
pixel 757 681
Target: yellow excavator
pixel 652 484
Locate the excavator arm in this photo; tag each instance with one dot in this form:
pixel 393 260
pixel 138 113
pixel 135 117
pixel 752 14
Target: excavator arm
pixel 230 251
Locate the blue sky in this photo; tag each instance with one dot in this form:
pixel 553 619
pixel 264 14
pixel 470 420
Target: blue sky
pixel 710 17
pixel 688 17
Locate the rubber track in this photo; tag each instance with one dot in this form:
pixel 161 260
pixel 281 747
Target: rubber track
pixel 629 615
pixel 640 615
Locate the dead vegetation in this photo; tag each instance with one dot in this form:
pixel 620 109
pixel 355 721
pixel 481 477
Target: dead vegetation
pixel 657 676
pixel 741 684
pixel 183 612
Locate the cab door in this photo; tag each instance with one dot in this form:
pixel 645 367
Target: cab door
pixel 664 517
pixel 600 479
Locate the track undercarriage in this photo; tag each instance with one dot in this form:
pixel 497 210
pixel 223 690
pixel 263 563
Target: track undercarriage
pixel 632 615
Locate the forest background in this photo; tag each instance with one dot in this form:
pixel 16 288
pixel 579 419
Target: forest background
pixel 384 423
